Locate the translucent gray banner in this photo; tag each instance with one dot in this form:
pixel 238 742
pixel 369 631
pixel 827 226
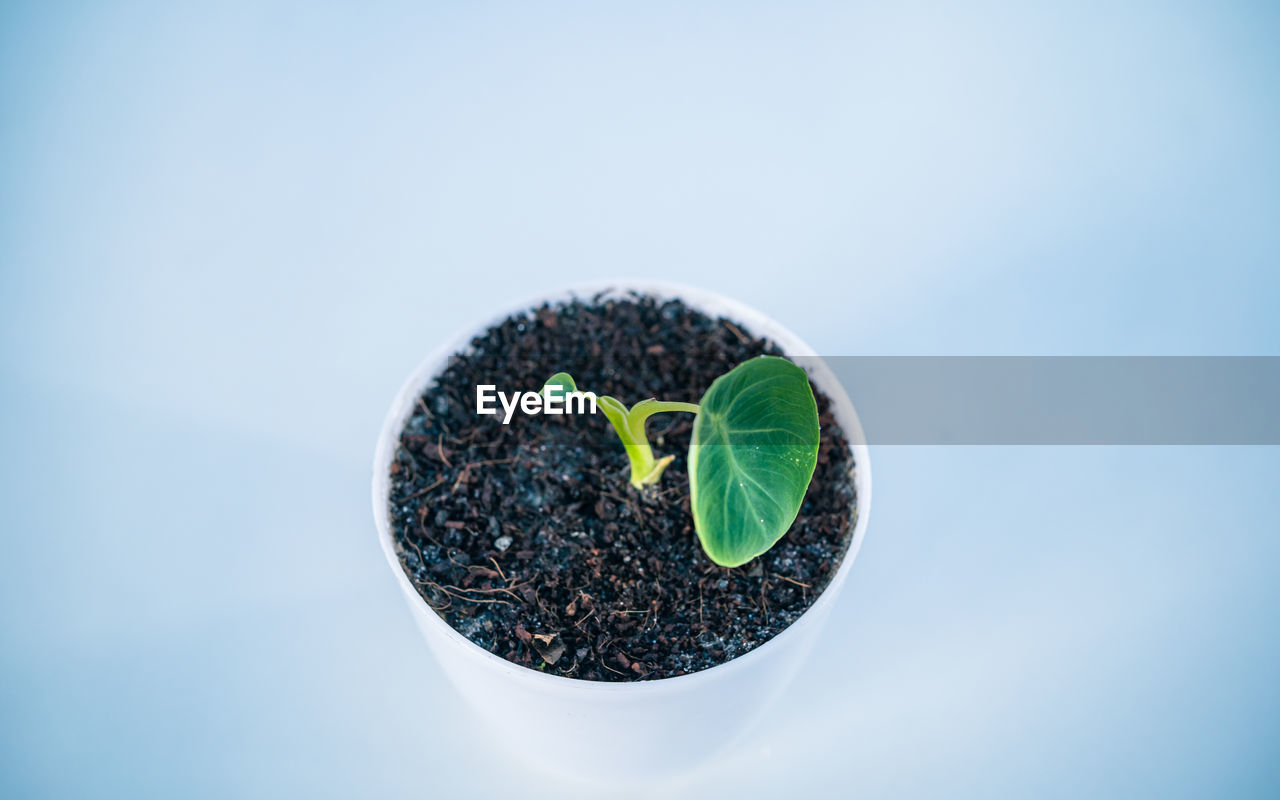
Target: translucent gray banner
pixel 1069 400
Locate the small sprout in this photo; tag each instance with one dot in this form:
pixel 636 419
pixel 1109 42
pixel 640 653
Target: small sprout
pixel 629 423
pixel 752 455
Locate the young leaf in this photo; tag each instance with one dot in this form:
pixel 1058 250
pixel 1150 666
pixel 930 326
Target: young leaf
pixel 754 449
pixel 562 379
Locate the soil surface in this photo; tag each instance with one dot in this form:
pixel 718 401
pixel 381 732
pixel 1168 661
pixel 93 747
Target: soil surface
pixel 529 539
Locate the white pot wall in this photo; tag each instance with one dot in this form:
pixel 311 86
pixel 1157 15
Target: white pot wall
pixel 641 729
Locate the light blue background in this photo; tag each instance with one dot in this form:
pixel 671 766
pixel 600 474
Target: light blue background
pixel 226 236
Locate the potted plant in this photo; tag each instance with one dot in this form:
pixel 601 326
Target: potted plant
pixel 621 612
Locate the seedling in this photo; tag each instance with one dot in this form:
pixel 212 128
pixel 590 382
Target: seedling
pixel 752 455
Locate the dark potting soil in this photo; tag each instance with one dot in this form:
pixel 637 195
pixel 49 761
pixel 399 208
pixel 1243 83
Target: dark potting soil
pixel 529 539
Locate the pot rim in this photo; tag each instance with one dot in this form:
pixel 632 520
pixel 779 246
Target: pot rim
pixel 754 321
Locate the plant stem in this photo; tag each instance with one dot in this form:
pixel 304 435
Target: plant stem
pixel 630 425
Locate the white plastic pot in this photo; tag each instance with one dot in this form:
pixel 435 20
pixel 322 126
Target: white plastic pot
pixel 643 729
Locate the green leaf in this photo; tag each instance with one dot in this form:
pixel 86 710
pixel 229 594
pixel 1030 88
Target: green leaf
pixel 562 379
pixel 754 449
